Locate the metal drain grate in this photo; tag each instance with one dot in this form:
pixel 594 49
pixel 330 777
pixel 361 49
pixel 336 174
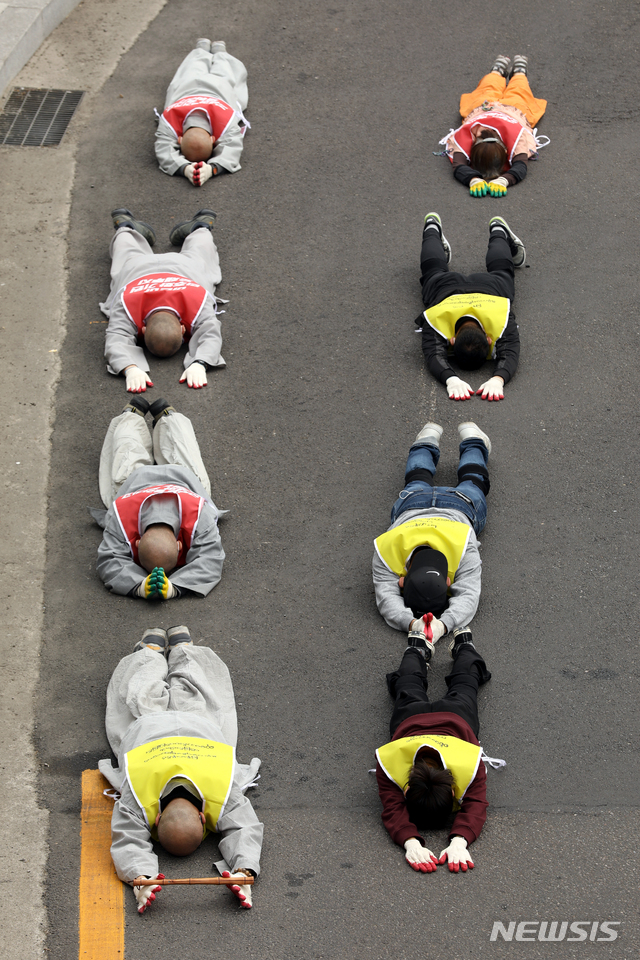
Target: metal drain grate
pixel 37 118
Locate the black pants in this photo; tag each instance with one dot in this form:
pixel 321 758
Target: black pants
pixel 408 687
pixel 438 283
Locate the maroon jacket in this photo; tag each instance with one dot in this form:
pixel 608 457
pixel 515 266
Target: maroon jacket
pixel 469 820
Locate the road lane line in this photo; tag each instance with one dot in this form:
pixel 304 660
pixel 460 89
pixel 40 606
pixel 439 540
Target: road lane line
pixel 101 921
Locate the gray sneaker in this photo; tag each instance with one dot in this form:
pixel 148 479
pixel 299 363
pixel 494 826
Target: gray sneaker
pixel 124 218
pixel 469 430
pixel 154 639
pixel 178 635
pixel 203 218
pixel 430 433
pixel 518 251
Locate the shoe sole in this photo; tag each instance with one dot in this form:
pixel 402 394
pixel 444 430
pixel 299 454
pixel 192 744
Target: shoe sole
pixel 178 235
pixel 443 239
pixel 515 240
pixel 144 229
pixel 479 434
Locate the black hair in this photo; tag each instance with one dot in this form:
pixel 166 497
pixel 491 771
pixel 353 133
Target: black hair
pixel 471 347
pixel 488 159
pixel 429 798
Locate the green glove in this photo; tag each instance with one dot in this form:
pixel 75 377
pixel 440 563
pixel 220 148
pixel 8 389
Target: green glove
pixel 498 187
pixel 155 586
pixel 478 187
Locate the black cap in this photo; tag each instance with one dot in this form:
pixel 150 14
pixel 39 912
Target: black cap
pixel 425 584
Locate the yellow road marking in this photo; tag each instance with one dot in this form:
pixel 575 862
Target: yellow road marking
pixel 101 923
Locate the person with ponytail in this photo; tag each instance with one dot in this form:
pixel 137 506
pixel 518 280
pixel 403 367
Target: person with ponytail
pixel 491 149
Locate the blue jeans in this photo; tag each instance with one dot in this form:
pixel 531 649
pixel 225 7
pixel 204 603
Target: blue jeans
pixel 469 496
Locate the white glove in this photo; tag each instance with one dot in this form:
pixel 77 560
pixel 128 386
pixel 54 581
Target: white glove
pixel 457 855
pixel 146 895
pixel 137 379
pixel 492 389
pixel 438 629
pixel 243 893
pixel 419 857
pixel 189 171
pixel 458 389
pixel 202 173
pixel 195 375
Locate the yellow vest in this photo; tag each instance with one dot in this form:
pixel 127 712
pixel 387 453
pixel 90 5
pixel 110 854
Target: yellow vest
pixel 458 756
pixel 492 313
pixel 396 546
pixel 207 764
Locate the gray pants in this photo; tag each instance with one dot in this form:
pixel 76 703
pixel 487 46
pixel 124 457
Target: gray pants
pixel 131 256
pixel 193 680
pixel 209 74
pixel 129 445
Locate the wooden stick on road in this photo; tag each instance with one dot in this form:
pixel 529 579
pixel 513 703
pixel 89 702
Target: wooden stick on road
pixel 224 881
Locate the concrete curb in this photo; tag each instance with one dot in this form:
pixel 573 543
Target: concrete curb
pixel 24 24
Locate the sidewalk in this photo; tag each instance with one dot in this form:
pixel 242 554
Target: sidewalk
pixel 24 25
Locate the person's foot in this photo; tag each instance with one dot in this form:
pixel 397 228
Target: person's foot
pixel 430 433
pixel 520 65
pixel 160 408
pixel 138 405
pixel 218 46
pixel 518 251
pixel 177 635
pixel 461 638
pixel 203 218
pixel 432 221
pixel 124 218
pixel 424 648
pixel 501 65
pixel 202 43
pixel 154 639
pixel 471 431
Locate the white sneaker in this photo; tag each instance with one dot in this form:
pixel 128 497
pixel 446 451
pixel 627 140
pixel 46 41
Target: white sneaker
pixel 470 430
pixel 430 433
pixel 218 46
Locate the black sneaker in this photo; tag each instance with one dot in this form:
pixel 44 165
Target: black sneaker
pixel 434 218
pixel 461 638
pixel 160 408
pixel 203 218
pixel 518 251
pixel 123 217
pixel 138 405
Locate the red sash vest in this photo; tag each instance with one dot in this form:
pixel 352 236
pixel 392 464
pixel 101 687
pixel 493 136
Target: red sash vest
pixel 508 129
pixel 163 291
pixel 219 112
pixel 129 507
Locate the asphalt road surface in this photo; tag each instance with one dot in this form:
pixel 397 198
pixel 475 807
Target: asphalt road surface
pixel 305 435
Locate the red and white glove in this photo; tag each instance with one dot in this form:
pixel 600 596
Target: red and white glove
pixel 137 379
pixel 195 375
pixel 243 893
pixel 419 857
pixel 198 173
pixel 458 389
pixel 438 629
pixel 492 389
pixel 457 855
pixel 147 894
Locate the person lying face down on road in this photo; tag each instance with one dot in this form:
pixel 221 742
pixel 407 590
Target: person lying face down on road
pixel 199 135
pixel 171 722
pixel 428 560
pixel 432 767
pixel 161 536
pixel 470 317
pixel 162 300
pixel 491 149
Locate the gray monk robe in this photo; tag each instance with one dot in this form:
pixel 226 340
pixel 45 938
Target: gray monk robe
pixel 191 695
pixel 132 258
pixel 212 75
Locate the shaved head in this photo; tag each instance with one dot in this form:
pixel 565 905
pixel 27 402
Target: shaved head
pixel 180 828
pixel 196 144
pixel 163 333
pixel 158 547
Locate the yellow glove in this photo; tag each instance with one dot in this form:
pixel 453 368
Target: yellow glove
pixel 498 187
pixel 478 187
pixel 157 586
